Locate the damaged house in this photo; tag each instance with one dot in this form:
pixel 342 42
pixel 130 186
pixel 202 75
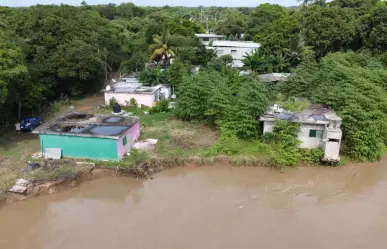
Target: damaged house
pixel 319 128
pixel 82 135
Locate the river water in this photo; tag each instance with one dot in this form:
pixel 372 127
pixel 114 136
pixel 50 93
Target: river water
pixel 209 208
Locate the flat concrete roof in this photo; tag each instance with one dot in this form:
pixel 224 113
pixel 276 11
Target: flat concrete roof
pixel 88 125
pixel 236 44
pixel 314 114
pixel 132 88
pixel 274 77
pixel 207 35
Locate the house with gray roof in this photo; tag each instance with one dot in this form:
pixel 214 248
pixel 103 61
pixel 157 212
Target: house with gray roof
pixel 320 127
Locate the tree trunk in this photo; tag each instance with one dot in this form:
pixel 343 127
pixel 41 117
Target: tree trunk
pixel 19 109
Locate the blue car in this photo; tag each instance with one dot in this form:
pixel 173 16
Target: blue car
pixel 30 123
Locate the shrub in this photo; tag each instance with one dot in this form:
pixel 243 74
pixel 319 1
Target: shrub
pixel 312 157
pixel 227 142
pixel 112 101
pixel 133 102
pixel 55 107
pixel 162 106
pixel 284 133
pixel 288 157
pixel 285 141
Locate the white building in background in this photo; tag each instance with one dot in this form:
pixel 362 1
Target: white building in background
pixel 127 88
pixel 207 38
pixel 320 128
pixel 237 49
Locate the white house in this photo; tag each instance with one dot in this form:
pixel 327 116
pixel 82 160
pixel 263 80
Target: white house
pixel 126 89
pixel 320 128
pixel 207 38
pixel 237 49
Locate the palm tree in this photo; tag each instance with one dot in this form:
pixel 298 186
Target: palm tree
pixel 297 50
pixel 161 51
pixel 279 63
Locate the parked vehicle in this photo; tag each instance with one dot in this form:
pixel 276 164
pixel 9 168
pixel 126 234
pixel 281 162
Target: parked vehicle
pixel 30 123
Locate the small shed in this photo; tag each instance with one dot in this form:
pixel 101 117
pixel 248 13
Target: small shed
pixel 82 135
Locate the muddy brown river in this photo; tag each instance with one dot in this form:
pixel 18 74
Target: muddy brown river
pixel 209 208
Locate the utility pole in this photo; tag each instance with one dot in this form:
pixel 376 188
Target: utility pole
pixel 207 26
pixel 201 13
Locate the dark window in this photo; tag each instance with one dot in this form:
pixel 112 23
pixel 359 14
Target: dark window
pixel 316 133
pixel 233 51
pixel 206 39
pixel 124 141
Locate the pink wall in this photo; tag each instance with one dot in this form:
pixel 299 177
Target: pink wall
pixel 132 135
pixel 124 98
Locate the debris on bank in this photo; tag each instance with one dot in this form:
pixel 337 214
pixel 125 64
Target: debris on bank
pixel 20 186
pixel 33 166
pixel 147 144
pixel 37 155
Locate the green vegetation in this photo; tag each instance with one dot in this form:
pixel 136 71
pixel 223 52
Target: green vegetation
pixel 336 50
pixel 354 85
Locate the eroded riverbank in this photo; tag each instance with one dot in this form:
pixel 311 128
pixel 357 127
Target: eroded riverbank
pixel 209 207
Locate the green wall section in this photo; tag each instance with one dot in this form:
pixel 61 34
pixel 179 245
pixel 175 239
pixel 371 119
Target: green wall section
pixel 81 147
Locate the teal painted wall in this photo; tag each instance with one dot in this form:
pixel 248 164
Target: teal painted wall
pixel 81 147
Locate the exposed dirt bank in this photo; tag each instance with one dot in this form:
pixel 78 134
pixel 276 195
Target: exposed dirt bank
pixel 145 170
pixel 59 184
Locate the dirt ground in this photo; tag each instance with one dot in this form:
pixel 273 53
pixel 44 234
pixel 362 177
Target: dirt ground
pixel 89 104
pixel 16 148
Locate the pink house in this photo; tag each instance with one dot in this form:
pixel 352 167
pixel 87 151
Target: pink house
pixel 127 139
pixel 130 88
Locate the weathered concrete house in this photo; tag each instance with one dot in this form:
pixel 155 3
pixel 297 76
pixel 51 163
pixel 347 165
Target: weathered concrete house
pixel 82 135
pixel 320 128
pixel 237 49
pixel 128 88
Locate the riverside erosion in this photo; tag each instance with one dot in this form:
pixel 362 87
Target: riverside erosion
pixel 210 207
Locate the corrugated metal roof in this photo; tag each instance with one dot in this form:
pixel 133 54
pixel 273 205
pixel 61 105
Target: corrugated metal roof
pixel 238 44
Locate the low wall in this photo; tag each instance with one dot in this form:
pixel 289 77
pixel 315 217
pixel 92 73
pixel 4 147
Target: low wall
pixel 124 98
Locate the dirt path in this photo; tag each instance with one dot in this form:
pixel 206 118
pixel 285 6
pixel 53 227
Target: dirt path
pixel 89 103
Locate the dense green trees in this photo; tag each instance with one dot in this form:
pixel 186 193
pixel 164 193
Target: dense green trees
pixel 336 49
pixel 212 96
pixel 261 61
pixel 12 67
pixel 354 85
